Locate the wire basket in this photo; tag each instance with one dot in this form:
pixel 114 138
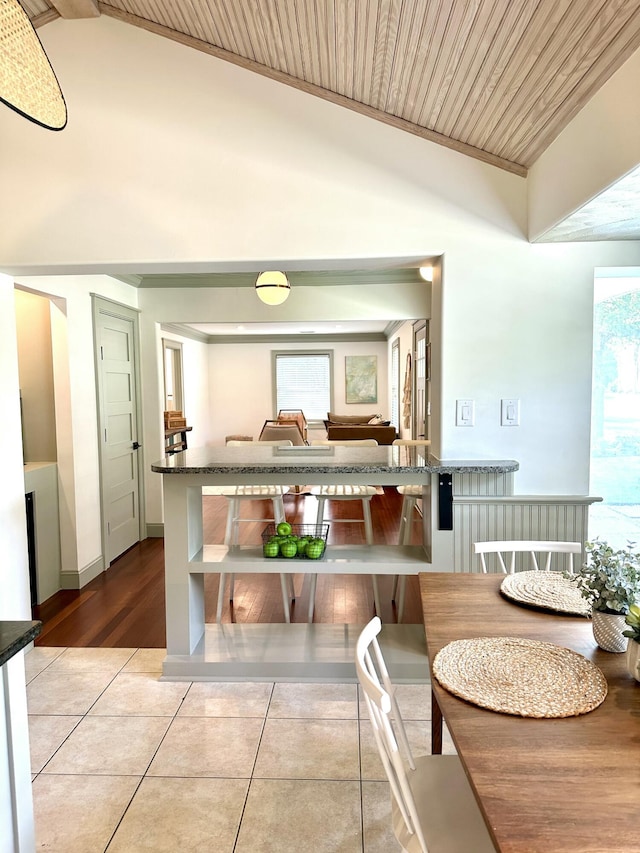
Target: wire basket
pixel 317 532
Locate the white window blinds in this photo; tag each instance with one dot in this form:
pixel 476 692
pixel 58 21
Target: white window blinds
pixel 303 381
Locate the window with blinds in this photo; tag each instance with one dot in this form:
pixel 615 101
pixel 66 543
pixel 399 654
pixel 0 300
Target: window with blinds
pixel 303 380
pixel 395 384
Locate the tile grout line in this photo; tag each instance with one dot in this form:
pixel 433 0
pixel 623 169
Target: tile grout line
pixel 255 761
pixel 82 716
pixel 144 775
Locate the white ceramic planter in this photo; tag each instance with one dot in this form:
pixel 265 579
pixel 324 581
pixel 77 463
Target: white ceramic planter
pixel 607 630
pixel 633 659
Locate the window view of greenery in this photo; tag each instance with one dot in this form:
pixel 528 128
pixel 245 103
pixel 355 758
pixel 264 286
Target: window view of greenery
pixel 615 425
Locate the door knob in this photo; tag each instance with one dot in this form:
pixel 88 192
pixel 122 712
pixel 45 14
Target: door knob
pixel 136 445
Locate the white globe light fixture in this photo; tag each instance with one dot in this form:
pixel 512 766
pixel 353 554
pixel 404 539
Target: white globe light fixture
pixel 426 273
pixel 272 287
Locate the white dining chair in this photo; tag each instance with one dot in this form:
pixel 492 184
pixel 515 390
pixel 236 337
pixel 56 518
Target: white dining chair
pixel 235 495
pixel 411 494
pixel 538 553
pixel 433 809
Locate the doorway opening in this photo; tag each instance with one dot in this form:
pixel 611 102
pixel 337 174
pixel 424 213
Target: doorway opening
pixel 615 409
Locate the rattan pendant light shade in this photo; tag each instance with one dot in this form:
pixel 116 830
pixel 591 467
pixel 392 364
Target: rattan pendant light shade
pixel 27 81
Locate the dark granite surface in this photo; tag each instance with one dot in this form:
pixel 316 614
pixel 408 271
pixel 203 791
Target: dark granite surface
pixel 15 636
pixel 322 459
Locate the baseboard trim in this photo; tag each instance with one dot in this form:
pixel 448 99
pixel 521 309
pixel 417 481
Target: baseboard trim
pixel 155 531
pixel 76 580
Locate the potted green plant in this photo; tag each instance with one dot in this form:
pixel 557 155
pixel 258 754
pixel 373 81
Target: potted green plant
pixel 632 619
pixel 610 581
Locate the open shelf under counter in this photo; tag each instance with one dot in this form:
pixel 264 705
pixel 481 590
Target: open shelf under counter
pixel 339 559
pixel 200 650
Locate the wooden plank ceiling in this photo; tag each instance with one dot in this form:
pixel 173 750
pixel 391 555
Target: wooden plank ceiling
pixel 494 79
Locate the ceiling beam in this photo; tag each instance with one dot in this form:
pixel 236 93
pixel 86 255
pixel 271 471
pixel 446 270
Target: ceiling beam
pixel 76 8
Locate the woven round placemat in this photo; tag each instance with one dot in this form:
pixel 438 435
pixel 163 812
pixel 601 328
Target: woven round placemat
pixel 551 590
pixel 527 678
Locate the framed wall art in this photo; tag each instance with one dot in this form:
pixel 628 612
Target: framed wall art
pixel 361 378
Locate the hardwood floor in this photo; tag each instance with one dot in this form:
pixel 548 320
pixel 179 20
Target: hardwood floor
pixel 125 606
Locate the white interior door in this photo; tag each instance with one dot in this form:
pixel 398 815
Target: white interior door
pixel 116 359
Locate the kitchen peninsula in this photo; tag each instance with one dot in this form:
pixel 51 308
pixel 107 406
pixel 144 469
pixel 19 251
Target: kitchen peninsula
pixel 196 650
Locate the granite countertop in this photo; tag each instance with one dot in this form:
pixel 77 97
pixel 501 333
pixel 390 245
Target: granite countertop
pixel 322 459
pixel 15 636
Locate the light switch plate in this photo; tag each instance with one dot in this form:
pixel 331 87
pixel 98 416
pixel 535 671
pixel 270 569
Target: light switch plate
pixel 465 412
pixel 509 412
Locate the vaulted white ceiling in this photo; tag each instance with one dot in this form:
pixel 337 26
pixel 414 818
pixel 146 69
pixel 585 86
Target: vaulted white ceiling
pixel 497 80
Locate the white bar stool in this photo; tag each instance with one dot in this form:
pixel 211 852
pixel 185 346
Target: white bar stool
pixel 411 494
pixel 234 496
pixel 346 493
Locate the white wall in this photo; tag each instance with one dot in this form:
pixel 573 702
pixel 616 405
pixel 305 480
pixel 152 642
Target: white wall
pixel 196 390
pixel 35 366
pixel 596 149
pixel 241 383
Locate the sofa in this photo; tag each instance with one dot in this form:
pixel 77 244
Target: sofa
pixel 357 427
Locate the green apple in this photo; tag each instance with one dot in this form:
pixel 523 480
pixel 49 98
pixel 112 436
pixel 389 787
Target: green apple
pixel 315 549
pixel 270 549
pixel 289 549
pixel 284 528
pixel 301 546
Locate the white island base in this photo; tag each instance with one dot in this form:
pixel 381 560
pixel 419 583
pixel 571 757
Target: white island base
pixel 197 650
pixel 294 652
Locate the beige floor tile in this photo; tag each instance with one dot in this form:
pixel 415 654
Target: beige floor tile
pixel 79 814
pixel 227 699
pixel 182 816
pixel 414 701
pixel 112 746
pixel 38 658
pixel 67 693
pixel 92 660
pixel 448 747
pixel 319 701
pixel 308 749
pixel 146 660
pixel 418 733
pixel 208 746
pixel 140 694
pixel 45 736
pixel 283 816
pixel 376 819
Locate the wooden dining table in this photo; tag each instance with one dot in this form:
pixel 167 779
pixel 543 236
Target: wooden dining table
pixel 567 785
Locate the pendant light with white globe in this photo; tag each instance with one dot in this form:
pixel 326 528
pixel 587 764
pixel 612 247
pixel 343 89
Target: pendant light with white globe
pixel 272 287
